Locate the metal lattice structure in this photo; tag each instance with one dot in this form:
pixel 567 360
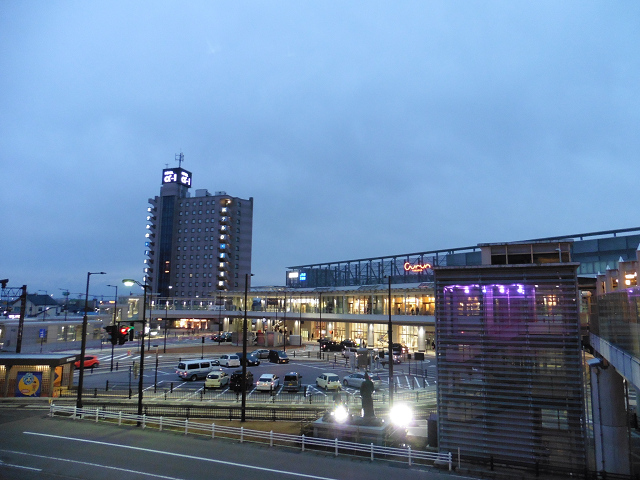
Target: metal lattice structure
pixel 510 385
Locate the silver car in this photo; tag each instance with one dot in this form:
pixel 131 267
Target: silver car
pixel 355 380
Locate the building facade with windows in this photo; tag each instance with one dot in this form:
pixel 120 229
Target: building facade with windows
pixel 510 384
pixel 196 245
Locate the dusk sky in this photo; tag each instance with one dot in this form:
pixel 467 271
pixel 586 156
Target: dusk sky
pixel 360 128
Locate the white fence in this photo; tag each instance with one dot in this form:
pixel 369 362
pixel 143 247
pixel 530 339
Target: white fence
pixel 302 442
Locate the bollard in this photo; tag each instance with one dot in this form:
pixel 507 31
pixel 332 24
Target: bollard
pixel 171 387
pixel 116 366
pixel 95 393
pixel 106 388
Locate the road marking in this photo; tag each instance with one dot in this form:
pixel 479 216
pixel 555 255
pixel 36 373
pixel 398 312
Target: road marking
pixel 17 466
pixel 160 452
pixel 83 463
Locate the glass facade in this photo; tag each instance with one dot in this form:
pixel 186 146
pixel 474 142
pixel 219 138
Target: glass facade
pixel 616 319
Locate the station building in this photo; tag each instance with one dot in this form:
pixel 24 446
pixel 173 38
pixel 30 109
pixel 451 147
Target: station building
pixel 354 299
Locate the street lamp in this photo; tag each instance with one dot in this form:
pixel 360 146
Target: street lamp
pixel 83 343
pixel 115 313
pixel 65 292
pixel 129 283
pixel 390 334
pixel 244 349
pixel 166 320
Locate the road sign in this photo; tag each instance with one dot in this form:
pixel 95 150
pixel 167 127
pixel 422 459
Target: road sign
pixel 42 333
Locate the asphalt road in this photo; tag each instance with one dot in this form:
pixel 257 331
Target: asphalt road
pixel 34 446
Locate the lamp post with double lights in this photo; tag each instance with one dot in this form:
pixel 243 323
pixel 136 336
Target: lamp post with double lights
pixel 129 283
pixel 83 343
pixel 115 314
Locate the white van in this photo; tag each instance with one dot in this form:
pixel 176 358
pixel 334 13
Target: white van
pixel 229 360
pixel 194 369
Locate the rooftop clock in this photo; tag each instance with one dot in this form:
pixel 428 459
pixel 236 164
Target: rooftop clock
pixel 176 175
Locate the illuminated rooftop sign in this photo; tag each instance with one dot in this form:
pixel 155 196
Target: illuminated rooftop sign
pixel 416 267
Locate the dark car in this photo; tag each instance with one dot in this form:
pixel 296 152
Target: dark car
pixel 330 346
pixel 278 356
pixel 252 360
pixel 347 343
pixel 235 382
pixel 292 382
pixel 399 348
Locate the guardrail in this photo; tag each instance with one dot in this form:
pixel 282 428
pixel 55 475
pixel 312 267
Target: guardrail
pixel 301 442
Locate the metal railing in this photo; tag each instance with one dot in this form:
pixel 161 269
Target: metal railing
pixel 301 442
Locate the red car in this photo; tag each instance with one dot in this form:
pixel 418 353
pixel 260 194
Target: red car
pixel 89 361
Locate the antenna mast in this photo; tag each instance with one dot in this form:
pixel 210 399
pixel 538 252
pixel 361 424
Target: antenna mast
pixel 180 159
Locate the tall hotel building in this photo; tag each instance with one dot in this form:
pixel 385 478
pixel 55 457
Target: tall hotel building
pixel 196 246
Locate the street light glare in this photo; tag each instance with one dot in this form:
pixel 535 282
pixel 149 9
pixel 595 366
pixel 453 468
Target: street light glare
pixel 401 415
pixel 128 282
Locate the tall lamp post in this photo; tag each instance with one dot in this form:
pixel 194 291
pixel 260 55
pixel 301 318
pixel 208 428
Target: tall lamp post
pixel 244 349
pixel 129 283
pixel 115 314
pixel 83 343
pixel 390 334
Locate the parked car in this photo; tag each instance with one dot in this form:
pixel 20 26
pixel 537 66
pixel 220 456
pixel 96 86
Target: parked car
pixel 225 337
pixel 278 356
pixel 328 381
pixel 292 382
pixel 194 369
pixel 216 379
pixel 268 382
pixel 347 343
pixel 252 360
pixel 90 361
pixel 330 346
pixel 355 380
pixel 235 382
pixel 261 353
pixel 229 360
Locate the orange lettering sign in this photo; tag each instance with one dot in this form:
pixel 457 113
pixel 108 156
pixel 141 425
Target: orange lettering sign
pixel 416 268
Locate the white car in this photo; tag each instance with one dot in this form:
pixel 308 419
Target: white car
pixel 328 381
pixel 268 382
pixel 229 360
pixel 216 379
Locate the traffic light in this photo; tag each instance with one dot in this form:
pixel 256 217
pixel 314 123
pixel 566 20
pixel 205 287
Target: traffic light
pixel 123 335
pixel 113 338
